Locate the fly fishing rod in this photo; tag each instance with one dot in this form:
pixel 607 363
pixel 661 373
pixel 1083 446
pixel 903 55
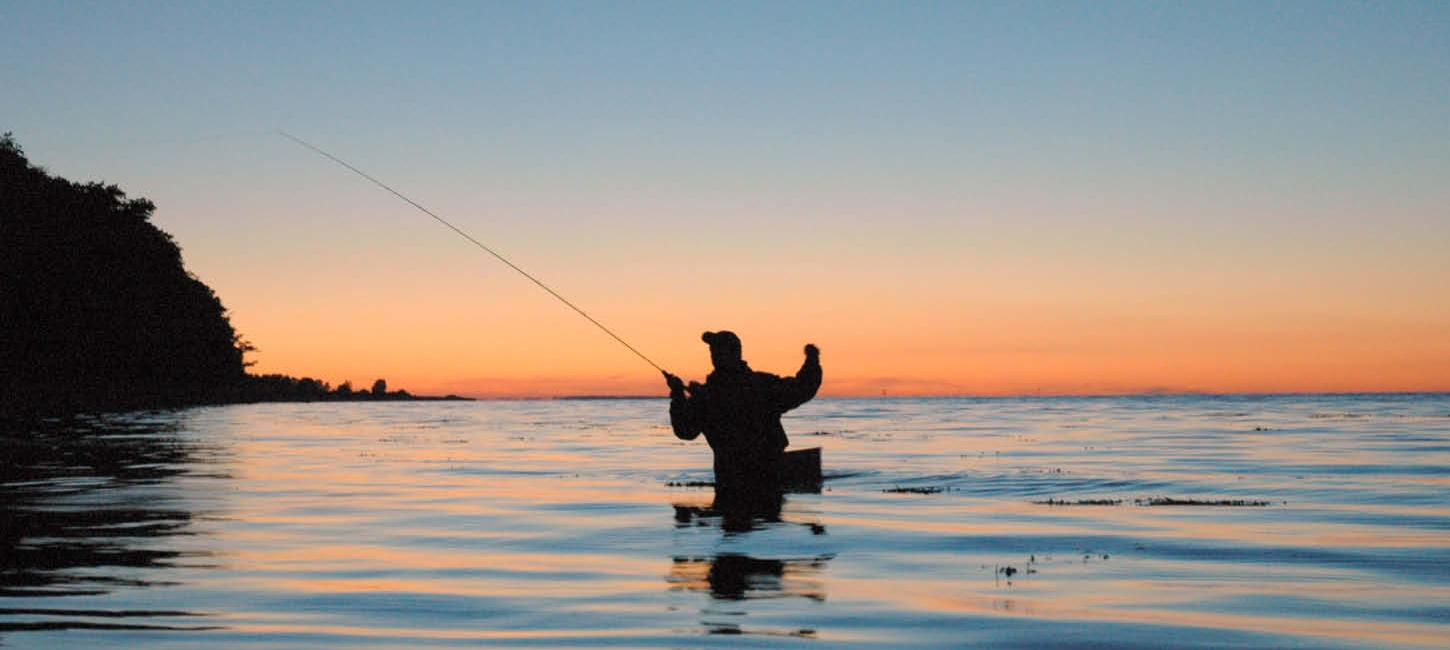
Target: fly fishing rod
pixel 475 242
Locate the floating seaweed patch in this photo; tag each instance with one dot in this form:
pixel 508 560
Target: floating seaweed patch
pixel 693 484
pixel 1079 502
pixel 1170 501
pixel 932 489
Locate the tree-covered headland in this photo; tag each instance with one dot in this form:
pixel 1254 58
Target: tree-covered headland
pixel 97 311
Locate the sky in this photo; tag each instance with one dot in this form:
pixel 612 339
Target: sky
pixel 948 198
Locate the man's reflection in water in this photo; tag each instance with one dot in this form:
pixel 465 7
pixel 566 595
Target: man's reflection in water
pixel 739 513
pixel 731 576
pixel 737 577
pixel 736 515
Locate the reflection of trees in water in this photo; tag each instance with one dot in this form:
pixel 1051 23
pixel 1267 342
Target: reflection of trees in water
pixel 86 506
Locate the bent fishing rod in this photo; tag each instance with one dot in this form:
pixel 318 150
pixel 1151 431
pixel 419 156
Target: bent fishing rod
pixel 475 242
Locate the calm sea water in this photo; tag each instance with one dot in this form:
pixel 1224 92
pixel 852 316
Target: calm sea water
pixel 553 523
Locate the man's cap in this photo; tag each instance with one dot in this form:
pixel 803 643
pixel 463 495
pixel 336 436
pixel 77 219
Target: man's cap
pixel 722 338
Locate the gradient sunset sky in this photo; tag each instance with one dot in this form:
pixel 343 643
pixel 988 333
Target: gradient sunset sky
pixel 948 198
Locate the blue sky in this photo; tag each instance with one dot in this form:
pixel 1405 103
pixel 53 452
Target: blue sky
pixel 968 141
pixel 1153 80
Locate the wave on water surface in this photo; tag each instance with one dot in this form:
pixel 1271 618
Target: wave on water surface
pixel 1132 522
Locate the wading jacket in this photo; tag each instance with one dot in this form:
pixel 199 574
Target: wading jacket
pixel 738 410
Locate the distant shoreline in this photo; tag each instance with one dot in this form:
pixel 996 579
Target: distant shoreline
pixel 358 398
pixel 1014 396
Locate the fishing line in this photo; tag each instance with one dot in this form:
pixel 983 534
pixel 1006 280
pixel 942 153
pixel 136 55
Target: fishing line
pixel 470 238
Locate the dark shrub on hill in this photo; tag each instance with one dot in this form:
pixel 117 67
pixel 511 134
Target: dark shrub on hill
pixel 96 309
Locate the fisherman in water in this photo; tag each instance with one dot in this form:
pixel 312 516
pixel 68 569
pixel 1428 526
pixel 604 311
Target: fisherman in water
pixel 738 410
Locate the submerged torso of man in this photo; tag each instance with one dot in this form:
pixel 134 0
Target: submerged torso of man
pixel 738 410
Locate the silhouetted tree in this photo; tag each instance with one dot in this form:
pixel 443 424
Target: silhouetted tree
pixel 313 388
pixel 96 309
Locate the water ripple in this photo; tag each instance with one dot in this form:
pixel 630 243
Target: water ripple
pixel 541 524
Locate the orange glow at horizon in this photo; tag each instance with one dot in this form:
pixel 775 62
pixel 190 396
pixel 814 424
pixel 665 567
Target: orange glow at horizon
pixel 1010 316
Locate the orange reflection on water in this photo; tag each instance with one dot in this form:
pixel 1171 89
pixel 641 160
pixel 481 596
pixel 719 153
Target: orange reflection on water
pixel 403 634
pixel 1130 601
pixel 442 504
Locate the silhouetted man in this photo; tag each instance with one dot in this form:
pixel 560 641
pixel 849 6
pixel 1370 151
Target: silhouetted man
pixel 739 412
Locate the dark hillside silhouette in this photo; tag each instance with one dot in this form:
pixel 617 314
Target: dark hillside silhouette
pixel 97 311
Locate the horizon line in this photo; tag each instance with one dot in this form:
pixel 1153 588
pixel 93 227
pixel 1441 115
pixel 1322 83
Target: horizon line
pixel 586 397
